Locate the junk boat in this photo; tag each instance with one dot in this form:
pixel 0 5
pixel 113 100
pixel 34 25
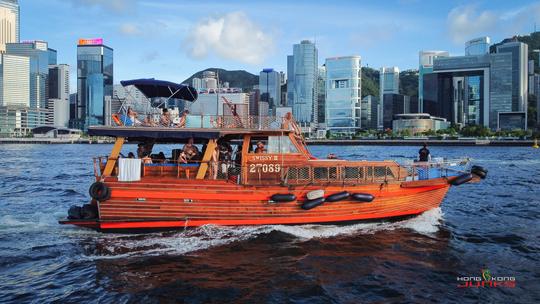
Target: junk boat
pixel 245 171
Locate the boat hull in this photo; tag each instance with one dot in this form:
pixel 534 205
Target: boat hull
pixel 167 205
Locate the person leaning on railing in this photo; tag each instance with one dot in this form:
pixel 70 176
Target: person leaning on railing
pixel 183 118
pixel 165 119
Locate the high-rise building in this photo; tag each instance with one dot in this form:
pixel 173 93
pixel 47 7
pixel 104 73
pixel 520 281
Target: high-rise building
pixel 394 104
pixel 477 46
pixel 302 70
pixel 14 80
pixel 94 82
pixel 487 89
pixel 270 89
pixel 38 53
pixel 52 56
pixel 58 102
pixel 343 94
pixel 321 98
pixel 369 112
pixel 9 23
pixel 388 84
pixel 426 59
pixel 196 83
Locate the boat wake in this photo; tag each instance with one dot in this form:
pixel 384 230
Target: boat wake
pixel 111 246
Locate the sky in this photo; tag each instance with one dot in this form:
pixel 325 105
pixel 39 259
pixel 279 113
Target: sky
pixel 171 40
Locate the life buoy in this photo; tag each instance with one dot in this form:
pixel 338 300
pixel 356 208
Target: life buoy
pixel 475 167
pixel 338 196
pixel 461 179
pixel 362 197
pixel 310 204
pixel 282 198
pixel 99 191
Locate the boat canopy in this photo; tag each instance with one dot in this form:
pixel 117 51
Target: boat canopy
pixel 151 87
pixel 175 134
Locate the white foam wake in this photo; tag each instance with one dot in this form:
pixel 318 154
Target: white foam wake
pixel 191 240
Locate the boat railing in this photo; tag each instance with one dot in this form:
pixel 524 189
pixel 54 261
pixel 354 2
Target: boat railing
pixel 345 173
pixel 194 121
pixel 437 168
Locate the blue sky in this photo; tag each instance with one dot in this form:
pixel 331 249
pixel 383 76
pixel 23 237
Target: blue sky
pixel 171 40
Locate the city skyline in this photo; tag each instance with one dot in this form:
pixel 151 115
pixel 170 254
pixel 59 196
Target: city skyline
pixel 173 45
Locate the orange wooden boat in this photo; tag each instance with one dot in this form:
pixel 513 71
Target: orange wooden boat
pixel 281 183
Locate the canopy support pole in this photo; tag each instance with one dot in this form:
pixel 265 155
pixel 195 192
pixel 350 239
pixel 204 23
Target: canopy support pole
pixel 111 161
pixel 210 148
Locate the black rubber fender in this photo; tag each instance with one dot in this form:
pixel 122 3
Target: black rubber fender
pixel 283 197
pixel 99 191
pixel 338 196
pixel 461 179
pixel 89 211
pixel 362 197
pixel 74 213
pixel 310 204
pixel 475 167
pixel 479 171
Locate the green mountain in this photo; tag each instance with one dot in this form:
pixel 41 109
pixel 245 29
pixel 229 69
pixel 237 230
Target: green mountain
pixel 236 79
pixel 370 82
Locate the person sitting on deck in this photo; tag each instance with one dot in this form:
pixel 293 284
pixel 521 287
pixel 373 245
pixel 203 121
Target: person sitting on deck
pixel 133 117
pixel 190 152
pixel 260 147
pixel 423 154
pixel 141 151
pixel 183 119
pixel 131 155
pixel 148 122
pixel 225 156
pixel 165 119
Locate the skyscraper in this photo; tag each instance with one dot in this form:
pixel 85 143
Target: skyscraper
pixel 302 69
pixel 94 82
pixel 321 99
pixel 59 94
pixel 477 46
pixel 14 80
pixel 520 76
pixel 270 89
pixel 343 94
pixel 426 59
pixel 388 84
pixel 38 53
pixel 9 23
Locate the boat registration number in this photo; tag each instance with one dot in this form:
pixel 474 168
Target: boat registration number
pixel 265 168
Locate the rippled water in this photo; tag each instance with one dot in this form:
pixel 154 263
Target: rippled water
pixel 491 225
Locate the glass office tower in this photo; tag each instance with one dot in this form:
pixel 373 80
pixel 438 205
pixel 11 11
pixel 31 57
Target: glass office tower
pixel 302 91
pixel 270 88
pixel 38 53
pixel 94 82
pixel 343 94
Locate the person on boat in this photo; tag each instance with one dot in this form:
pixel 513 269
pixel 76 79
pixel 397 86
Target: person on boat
pixel 238 156
pixel 260 147
pixel 148 122
pixel 133 117
pixel 131 155
pixel 141 151
pixel 165 119
pixel 225 156
pixel 214 161
pixel 190 152
pixel 183 118
pixel 423 154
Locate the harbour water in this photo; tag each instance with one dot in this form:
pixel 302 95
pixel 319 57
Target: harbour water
pixel 491 225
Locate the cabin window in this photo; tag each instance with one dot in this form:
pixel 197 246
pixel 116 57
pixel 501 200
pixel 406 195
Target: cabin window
pixel 274 145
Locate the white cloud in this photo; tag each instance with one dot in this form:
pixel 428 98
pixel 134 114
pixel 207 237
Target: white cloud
pixel 230 36
pixel 467 22
pixel 130 29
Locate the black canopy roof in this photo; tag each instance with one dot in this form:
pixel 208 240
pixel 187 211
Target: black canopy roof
pixel 151 87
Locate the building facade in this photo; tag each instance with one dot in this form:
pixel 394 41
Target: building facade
pixel 14 80
pixel 321 98
pixel 394 104
pixel 477 46
pixel 94 82
pixel 474 90
pixel 302 69
pixel 38 53
pixel 58 96
pixel 388 84
pixel 426 59
pixel 418 123
pixel 9 23
pixel 343 94
pixel 270 88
